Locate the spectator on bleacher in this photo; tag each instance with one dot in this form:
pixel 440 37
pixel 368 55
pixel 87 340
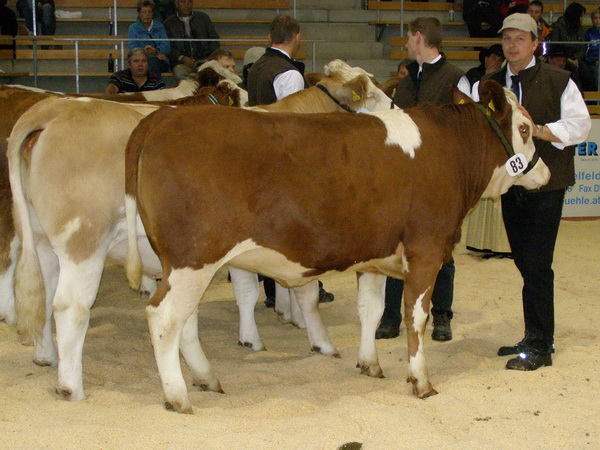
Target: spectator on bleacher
pixel 44 15
pixel 429 79
pixel 478 12
pixel 508 7
pixel 252 55
pixel 490 59
pixel 136 78
pixel 536 10
pixel 569 28
pixel 224 58
pixel 589 77
pixel 556 55
pixel 164 9
pixel 144 31
pixel 8 26
pixel 389 86
pixel 186 56
pixel 273 76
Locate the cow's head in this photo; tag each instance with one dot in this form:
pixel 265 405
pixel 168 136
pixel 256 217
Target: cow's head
pixel 211 72
pixel 502 106
pixel 354 87
pixel 225 93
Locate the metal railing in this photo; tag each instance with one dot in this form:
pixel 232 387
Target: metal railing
pixel 119 46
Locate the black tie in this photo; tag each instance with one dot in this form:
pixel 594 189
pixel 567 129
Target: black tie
pixel 515 86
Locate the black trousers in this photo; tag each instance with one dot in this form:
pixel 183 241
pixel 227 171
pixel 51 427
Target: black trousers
pixel 532 220
pixel 441 298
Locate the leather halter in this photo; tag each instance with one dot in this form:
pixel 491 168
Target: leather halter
pixel 510 151
pixel 335 100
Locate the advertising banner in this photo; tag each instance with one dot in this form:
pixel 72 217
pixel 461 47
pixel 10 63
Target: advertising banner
pixel 583 198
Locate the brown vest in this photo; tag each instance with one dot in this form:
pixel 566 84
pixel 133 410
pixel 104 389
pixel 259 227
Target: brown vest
pixel 542 87
pixel 434 86
pixel 263 72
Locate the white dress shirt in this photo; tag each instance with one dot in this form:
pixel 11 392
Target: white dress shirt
pixel 287 82
pixel 574 124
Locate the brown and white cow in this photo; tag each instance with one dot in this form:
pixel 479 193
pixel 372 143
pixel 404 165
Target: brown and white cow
pixel 72 218
pixel 394 188
pixel 14 101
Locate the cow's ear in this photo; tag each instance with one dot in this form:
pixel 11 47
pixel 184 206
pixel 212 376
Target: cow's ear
pixel 354 91
pixel 208 77
pixel 459 98
pixel 493 97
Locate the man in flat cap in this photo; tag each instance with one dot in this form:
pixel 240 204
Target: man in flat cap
pixel 560 120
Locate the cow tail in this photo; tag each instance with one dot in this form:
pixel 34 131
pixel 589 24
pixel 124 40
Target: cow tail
pixel 30 295
pixel 133 262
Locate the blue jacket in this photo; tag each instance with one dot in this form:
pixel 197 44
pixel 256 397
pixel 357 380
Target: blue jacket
pixel 157 31
pixel 592 35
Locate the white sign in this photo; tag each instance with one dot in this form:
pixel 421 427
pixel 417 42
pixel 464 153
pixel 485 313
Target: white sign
pixel 583 198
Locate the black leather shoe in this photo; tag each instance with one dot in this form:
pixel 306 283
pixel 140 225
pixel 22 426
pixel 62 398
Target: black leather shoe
pixel 387 331
pixel 270 302
pixel 442 331
pixel 529 360
pixel 519 347
pixel 511 350
pixel 325 297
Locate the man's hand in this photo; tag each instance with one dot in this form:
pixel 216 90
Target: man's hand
pixel 186 60
pixel 150 50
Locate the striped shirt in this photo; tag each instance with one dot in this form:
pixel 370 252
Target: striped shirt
pixel 125 83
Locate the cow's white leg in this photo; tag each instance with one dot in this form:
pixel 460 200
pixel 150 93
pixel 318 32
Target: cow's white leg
pixel 45 353
pixel 7 273
pixel 283 304
pixel 417 294
pixel 174 301
pixel 148 286
pixel 308 300
pixel 246 289
pixel 371 294
pixel 75 294
pixel 296 312
pixel 204 376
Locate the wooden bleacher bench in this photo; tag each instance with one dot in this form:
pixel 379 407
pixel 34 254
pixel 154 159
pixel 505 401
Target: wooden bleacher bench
pixel 456 55
pixel 414 6
pixel 237 46
pixel 591 95
pixel 466 54
pixel 398 41
pixel 201 4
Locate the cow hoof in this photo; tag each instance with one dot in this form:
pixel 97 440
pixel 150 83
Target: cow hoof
pixel 25 338
pixel 43 363
pixel 251 346
pixel 428 394
pixel 370 371
pixel 422 393
pixel 284 319
pixel 203 386
pixel 64 392
pixel 333 353
pixel 301 326
pixel 172 406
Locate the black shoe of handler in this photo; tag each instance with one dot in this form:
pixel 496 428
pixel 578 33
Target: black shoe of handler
pixel 385 331
pixel 529 361
pixel 442 331
pixel 519 347
pixel 270 302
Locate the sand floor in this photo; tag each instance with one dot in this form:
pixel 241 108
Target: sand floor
pixel 287 397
